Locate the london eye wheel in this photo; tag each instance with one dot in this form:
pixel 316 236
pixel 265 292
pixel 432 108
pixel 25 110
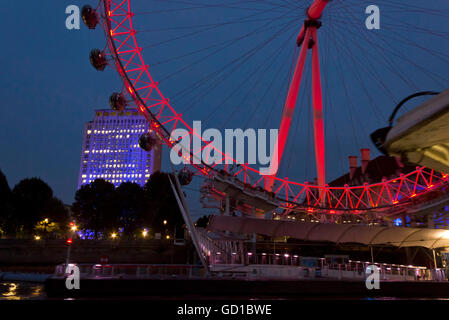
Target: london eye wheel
pixel 325 73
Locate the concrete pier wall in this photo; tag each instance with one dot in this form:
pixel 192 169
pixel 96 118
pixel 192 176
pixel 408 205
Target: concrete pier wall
pixel 52 252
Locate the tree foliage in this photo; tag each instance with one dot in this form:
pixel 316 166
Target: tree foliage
pixel 31 197
pixel 30 202
pixel 101 208
pixel 95 207
pixel 33 201
pixel 162 204
pixel 132 206
pixel 202 222
pixel 5 203
pixel 30 208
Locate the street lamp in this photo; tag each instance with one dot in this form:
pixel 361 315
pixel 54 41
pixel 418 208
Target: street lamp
pixel 45 223
pixel 165 222
pixel 69 241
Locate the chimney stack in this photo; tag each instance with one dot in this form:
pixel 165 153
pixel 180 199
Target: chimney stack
pixel 365 159
pixel 353 164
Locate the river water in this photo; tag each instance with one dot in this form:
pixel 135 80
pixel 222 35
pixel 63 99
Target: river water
pixel 14 290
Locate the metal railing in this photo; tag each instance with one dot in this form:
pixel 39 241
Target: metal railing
pixel 350 269
pixel 132 270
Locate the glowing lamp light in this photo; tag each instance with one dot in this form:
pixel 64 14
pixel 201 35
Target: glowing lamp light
pixel 46 220
pixel 145 233
pixel 114 235
pixel 445 235
pixel 165 222
pixel 37 237
pixel 69 241
pixel 168 237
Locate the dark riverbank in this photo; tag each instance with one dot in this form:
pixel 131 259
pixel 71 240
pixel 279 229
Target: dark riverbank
pixel 37 269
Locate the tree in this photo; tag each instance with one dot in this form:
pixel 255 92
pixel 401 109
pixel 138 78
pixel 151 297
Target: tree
pixel 31 198
pixel 5 203
pixel 202 222
pixel 162 205
pixel 95 207
pixel 58 216
pixel 130 198
pixel 34 208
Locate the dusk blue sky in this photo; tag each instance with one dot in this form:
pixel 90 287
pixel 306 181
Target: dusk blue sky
pixel 48 88
pixel 48 91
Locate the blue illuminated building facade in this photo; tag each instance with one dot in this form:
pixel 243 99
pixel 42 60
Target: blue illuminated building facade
pixel 111 149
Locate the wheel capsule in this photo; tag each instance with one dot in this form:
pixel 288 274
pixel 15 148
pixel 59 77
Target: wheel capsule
pixel 148 141
pixel 89 16
pixel 185 177
pixel 98 59
pixel 117 101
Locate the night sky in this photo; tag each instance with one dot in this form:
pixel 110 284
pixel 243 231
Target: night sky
pixel 49 89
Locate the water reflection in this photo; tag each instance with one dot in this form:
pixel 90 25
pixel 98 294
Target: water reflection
pixel 34 291
pixel 11 292
pixel 21 291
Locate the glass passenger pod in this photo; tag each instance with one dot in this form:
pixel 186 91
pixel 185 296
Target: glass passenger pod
pixel 148 141
pixel 89 16
pixel 98 59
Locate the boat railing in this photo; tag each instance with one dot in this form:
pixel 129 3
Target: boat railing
pixel 232 252
pixel 138 270
pixel 349 269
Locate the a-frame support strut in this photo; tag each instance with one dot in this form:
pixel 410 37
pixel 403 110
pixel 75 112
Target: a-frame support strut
pixel 179 195
pixel 318 120
pixel 308 41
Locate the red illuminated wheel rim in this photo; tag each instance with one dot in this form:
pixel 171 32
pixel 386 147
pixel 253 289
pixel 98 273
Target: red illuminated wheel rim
pixel 383 197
